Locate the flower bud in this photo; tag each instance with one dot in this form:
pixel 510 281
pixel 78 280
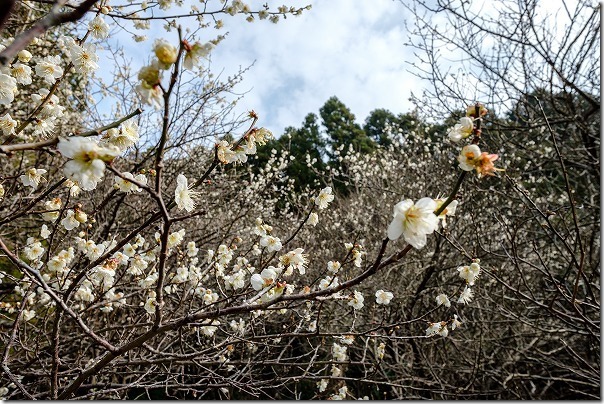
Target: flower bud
pixel 471 110
pixel 24 56
pixel 166 53
pixel 80 216
pixel 149 75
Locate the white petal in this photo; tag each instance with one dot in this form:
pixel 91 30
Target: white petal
pixel 395 229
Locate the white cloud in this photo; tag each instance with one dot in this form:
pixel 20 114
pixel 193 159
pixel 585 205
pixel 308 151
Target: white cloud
pixel 351 50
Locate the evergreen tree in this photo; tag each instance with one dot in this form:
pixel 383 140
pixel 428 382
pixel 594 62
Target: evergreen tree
pixel 341 128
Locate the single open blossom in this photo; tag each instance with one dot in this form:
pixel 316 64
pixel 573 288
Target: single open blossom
pixel 224 152
pixel 84 58
pixel 383 297
pixel 21 73
pixel 49 68
pixel 34 249
pixel 195 52
pixel 413 221
pixel 150 95
pixel 124 137
pixel 295 260
pixel 356 300
pixel 183 195
pixel 271 243
pixel 334 266
pixel 456 322
pixel 461 130
pixel 8 88
pixel 70 221
pixel 32 177
pixel 468 157
pixel 442 299
pixel 466 295
pixel 98 28
pixel 127 186
pixel 433 328
pixel 324 198
pixel 87 164
pixel 469 272
pixel 267 277
pixel 7 124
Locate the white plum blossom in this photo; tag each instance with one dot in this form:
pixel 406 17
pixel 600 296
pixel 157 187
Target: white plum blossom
pixel 21 73
pixel 44 232
pixel 98 28
pixel 466 295
pixel 195 52
pixel 124 137
pixel 49 68
pixel 150 95
pixel 456 322
pixel 356 300
pixel 87 164
pixel 313 219
pixel 8 88
pixel 69 221
pixel 334 266
pixel 51 108
pixel 192 250
pixel 84 58
pixel 271 243
pixel 53 205
pixel 183 195
pixel 210 330
pixel 176 238
pixel 128 186
pixel 469 156
pixel 470 273
pixel 461 130
pixel 324 198
pixel 267 277
pixel 34 249
pixel 436 328
pixel 32 177
pixel 339 352
pixel 413 221
pixel 383 297
pixel 328 282
pixel 7 124
pixel 294 260
pixel 442 299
